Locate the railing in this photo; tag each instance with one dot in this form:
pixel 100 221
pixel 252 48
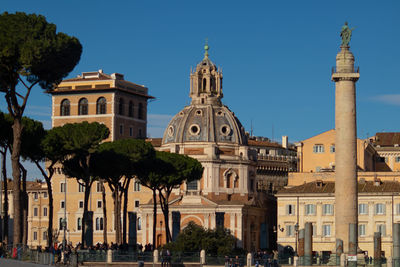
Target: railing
pixel 131 256
pixel 92 255
pixel 185 257
pixel 239 260
pixel 355 69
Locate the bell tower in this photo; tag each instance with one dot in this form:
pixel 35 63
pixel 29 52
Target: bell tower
pixel 206 82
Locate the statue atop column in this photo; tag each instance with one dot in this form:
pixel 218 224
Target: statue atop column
pixel 346 34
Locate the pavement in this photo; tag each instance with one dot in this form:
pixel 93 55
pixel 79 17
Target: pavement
pixel 15 263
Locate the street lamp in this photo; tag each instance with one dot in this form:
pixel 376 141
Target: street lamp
pixel 296 229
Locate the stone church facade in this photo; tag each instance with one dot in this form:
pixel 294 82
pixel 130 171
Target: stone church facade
pixel 227 193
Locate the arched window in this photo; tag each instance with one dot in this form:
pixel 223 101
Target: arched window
pixel 65 104
pixel 140 115
pixel 101 106
pixel 139 223
pixel 99 224
pixel 121 107
pixel 130 109
pixel 204 84
pixel 79 224
pixel 83 106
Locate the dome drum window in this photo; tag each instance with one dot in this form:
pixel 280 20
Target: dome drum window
pixel 194 129
pixel 225 130
pixel 220 113
pixel 199 112
pixel 171 131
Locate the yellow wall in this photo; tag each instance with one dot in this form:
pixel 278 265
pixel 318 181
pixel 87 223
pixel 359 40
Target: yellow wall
pixel 312 161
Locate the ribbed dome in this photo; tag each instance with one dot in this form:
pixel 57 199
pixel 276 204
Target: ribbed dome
pixel 206 119
pixel 205 123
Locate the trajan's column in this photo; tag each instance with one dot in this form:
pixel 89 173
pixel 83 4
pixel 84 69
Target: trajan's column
pixel 345 78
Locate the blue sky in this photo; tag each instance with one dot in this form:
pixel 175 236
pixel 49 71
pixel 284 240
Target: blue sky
pixel 276 57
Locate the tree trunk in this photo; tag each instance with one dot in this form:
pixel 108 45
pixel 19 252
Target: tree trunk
pixel 47 178
pixel 15 155
pixel 5 205
pixel 125 212
pixel 165 209
pixel 85 211
pixel 24 199
pixel 154 217
pixel 51 211
pixel 103 193
pixel 117 216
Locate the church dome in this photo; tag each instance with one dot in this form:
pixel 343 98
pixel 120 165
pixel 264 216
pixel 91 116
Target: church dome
pixel 205 123
pixel 206 119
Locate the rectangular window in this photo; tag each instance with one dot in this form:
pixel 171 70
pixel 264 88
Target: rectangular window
pixel 398 208
pixel 63 187
pixel 137 203
pixel 332 149
pixel 81 188
pixel 290 209
pixel 397 159
pixel 314 230
pixel 361 230
pixel 98 187
pixel 121 129
pixel 35 196
pixel 34 235
pixel 327 209
pixel 62 204
pixel 81 204
pixel 289 230
pixel 130 131
pixel 136 187
pixel 45 235
pixel 310 209
pixel 380 209
pixel 44 194
pixel 318 148
pixel 381 228
pixel 45 212
pixel 99 202
pixel 326 230
pixel 363 209
pixel 192 185
pixel 35 212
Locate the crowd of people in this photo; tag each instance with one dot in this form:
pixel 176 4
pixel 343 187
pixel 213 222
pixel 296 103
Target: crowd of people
pixel 266 259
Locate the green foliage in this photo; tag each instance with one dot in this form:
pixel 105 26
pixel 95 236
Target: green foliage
pixel 32 136
pixel 127 156
pixel 194 238
pixel 82 139
pixel 153 170
pixel 31 47
pixel 184 168
pixel 79 141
